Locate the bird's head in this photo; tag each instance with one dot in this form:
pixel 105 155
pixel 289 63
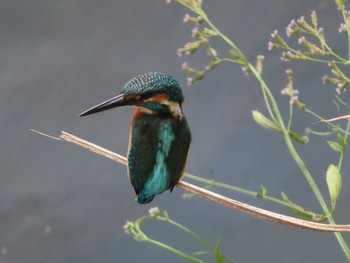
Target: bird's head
pixel 152 93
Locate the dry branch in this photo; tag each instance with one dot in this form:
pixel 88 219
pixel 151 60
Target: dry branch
pixel 217 198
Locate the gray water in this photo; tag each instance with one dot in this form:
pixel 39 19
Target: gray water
pixel 60 203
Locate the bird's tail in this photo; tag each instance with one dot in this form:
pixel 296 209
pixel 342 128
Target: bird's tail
pixel 144 197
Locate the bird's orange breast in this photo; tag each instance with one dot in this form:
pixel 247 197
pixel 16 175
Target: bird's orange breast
pixel 138 113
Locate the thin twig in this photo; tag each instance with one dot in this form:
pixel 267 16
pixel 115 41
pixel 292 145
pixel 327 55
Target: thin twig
pixel 217 198
pixel 46 135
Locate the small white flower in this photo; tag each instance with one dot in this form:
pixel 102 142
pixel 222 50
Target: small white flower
pixel 126 228
pixel 189 81
pixel 153 211
pixel 186 18
pixel 342 28
pixel 274 33
pixel 293 100
pixel 301 40
pixel 289 28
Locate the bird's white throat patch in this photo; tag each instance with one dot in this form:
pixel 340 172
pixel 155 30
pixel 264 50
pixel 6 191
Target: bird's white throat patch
pixel 175 109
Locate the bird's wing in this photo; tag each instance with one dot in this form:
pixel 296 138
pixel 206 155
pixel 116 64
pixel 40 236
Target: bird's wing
pixel 142 153
pixel 177 159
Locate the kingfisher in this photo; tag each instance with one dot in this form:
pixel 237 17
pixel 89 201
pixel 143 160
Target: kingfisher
pixel 159 138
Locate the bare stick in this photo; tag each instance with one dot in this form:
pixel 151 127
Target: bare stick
pixel 220 199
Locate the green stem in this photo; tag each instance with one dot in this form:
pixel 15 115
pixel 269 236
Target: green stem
pixel 318 60
pixel 335 127
pixel 139 235
pixel 171 249
pixel 187 230
pixel 342 102
pixel 290 117
pixel 319 133
pixel 347 31
pixel 237 189
pixel 234 61
pixel 345 140
pixel 323 43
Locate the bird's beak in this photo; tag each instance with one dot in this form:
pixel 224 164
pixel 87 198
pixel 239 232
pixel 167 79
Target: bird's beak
pixel 114 102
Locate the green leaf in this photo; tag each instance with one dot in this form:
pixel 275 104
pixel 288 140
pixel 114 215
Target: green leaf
pixel 218 256
pixel 187 196
pixel 203 253
pixel 333 178
pixel 342 142
pixel 335 146
pixel 234 54
pixel 297 138
pixel 264 121
pixel 259 63
pixel 262 192
pixel 301 212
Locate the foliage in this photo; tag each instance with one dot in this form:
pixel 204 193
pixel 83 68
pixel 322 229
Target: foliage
pixel 134 230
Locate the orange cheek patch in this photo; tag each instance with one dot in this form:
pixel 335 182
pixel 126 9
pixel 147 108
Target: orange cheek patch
pixel 161 99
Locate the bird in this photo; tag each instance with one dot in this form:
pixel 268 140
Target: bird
pixel 160 137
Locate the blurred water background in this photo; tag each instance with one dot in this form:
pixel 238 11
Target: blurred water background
pixel 60 203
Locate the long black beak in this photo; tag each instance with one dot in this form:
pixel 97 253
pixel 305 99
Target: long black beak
pixel 114 102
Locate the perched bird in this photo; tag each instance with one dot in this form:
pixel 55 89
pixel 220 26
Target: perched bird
pixel 159 138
